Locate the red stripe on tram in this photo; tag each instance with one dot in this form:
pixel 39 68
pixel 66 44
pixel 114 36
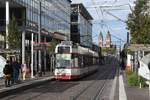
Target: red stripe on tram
pixel 66 77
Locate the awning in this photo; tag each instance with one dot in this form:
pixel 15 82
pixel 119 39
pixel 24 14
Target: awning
pixel 59 36
pixel 139 47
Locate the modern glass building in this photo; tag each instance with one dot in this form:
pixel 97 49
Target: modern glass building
pixel 81 26
pixel 46 19
pixel 55 15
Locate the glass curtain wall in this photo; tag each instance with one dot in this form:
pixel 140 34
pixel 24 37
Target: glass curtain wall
pixel 55 17
pixel 85 28
pixel 55 14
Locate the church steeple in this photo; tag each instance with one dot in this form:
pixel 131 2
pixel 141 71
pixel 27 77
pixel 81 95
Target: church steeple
pixel 100 39
pixel 108 39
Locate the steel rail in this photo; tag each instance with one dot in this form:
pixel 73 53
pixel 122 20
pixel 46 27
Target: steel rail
pixel 90 85
pixel 100 91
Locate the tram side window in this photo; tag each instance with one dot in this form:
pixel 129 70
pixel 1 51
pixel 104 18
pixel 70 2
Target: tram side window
pixel 94 60
pixel 85 61
pixel 97 60
pixel 80 61
pixel 90 61
pixel 75 60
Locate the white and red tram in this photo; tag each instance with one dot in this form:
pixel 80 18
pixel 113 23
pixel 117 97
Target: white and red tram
pixel 74 61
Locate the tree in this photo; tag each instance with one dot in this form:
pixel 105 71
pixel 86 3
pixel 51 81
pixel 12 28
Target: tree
pixel 14 36
pixel 109 50
pixel 138 23
pixel 52 47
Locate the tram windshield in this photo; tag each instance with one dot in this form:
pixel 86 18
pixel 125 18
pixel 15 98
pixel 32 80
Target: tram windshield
pixel 63 49
pixel 63 60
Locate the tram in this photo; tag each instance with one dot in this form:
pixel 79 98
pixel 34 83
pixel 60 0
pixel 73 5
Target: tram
pixel 74 61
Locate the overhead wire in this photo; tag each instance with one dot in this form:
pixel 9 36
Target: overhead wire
pixel 109 28
pixel 109 12
pixel 114 16
pixel 102 23
pixel 98 13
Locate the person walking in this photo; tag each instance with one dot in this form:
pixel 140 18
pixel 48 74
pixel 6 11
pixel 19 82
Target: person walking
pixel 8 73
pixel 24 71
pixel 16 68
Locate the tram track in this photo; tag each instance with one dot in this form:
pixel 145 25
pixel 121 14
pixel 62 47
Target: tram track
pixel 100 90
pixel 90 87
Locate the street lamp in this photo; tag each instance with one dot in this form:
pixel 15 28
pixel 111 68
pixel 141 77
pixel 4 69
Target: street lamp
pixel 39 40
pixel 32 56
pixel 7 22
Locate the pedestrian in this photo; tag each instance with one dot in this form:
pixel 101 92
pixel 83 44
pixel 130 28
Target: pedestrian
pixel 16 69
pixel 122 64
pixel 24 71
pixel 8 73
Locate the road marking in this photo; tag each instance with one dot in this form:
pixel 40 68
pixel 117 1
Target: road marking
pixel 112 93
pixel 122 93
pixel 113 87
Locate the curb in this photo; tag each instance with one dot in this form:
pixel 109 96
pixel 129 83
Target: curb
pixel 23 86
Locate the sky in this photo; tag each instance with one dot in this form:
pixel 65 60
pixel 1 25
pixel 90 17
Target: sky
pixel 109 15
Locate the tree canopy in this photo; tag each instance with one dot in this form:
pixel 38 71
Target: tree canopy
pixel 14 36
pixel 52 47
pixel 109 50
pixel 138 23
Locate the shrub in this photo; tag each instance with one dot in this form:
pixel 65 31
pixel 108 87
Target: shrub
pixel 142 81
pixel 132 79
pixel 128 72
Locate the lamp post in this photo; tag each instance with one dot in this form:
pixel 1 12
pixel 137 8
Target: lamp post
pixel 39 40
pixel 7 22
pixel 32 56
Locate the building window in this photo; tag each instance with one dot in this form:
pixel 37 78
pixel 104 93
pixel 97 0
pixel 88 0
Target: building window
pixel 74 28
pixel 74 18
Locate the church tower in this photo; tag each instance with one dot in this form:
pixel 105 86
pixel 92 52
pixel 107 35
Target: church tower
pixel 100 40
pixel 108 40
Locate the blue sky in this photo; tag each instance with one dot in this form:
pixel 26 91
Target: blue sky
pixel 109 15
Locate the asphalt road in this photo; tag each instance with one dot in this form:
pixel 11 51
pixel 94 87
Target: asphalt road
pixel 93 87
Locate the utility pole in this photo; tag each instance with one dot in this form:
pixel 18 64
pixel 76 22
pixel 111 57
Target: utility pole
pixel 32 56
pixel 39 40
pixel 7 22
pixel 23 40
pixel 128 39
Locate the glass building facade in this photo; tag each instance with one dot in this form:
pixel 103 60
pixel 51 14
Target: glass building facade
pixel 55 15
pixel 50 18
pixel 81 26
pixel 85 28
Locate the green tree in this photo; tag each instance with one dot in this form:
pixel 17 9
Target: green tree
pixel 14 36
pixel 138 23
pixel 52 47
pixel 109 50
